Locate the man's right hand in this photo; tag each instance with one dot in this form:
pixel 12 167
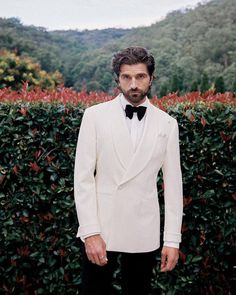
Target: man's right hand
pixel 95 248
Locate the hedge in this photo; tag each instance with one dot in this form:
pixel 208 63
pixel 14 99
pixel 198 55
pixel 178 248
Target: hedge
pixel 39 253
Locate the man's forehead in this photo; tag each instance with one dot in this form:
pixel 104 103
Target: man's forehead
pixel 135 68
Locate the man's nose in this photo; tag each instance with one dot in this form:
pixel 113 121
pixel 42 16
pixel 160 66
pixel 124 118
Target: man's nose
pixel 133 83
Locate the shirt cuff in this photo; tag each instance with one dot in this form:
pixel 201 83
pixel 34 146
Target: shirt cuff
pixel 172 244
pixel 89 235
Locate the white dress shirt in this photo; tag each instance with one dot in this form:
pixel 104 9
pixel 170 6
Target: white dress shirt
pixel 135 126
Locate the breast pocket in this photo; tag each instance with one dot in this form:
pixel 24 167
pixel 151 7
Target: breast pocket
pixel 161 144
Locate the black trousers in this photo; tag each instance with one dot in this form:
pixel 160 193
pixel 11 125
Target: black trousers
pixel 136 273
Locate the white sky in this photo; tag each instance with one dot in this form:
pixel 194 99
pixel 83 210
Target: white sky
pixel 91 14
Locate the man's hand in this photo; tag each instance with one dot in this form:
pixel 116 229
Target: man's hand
pixel 169 258
pixel 95 248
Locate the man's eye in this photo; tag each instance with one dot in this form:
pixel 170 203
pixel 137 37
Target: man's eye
pixel 125 77
pixel 141 76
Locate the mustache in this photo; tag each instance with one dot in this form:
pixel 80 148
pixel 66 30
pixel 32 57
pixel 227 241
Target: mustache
pixel 134 90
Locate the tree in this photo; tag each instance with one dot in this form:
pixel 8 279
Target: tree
pixel 234 84
pixel 219 85
pixel 14 70
pixel 94 86
pixel 164 89
pixel 176 83
pixel 194 86
pixel 205 85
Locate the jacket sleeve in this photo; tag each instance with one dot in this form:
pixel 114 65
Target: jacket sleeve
pixel 173 193
pixel 84 181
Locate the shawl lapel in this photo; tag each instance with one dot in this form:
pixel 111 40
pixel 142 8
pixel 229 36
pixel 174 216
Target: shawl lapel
pixel 133 161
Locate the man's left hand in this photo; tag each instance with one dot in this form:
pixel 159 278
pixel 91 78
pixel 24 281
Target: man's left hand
pixel 169 258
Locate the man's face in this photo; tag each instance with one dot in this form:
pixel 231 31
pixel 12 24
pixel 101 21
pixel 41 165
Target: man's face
pixel 134 82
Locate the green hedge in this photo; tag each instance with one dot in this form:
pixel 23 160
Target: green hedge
pixel 39 253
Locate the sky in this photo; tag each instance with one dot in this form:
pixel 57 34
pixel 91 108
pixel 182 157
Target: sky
pixel 91 14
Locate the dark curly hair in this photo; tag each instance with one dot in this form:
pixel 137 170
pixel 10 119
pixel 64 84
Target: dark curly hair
pixel 131 56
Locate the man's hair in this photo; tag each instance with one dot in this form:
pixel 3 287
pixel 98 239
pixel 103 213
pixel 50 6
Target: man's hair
pixel 132 56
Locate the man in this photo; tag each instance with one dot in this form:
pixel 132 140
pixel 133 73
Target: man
pixel 121 147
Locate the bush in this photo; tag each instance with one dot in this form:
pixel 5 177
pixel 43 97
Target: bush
pixel 207 142
pixel 17 69
pixel 38 250
pixel 39 253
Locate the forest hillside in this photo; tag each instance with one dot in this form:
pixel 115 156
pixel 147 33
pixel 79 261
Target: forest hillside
pixel 194 49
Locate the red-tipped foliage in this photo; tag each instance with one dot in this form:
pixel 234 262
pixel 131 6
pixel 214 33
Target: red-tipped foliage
pixel 69 96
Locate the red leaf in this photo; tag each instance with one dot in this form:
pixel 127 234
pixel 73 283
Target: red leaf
pixel 50 159
pixel 19 280
pixel 199 177
pixel 187 201
pixel 37 154
pixel 6 289
pixel 53 241
pixel 24 219
pixel 53 186
pixel 47 216
pixel 203 121
pixel 2 177
pixel 15 170
pixel 189 115
pixel 23 111
pixel 62 252
pixel 234 197
pixel 202 238
pixel 182 256
pixel 34 131
pixel 203 201
pixel 206 261
pixel 66 277
pixel 23 251
pixel 230 121
pixel 34 166
pixel 224 136
pixel 184 228
pixel 192 118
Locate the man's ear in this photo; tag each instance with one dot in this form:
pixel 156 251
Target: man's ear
pixel 151 80
pixel 117 80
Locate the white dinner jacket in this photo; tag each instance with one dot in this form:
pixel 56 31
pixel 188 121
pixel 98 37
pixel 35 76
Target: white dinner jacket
pixel 115 187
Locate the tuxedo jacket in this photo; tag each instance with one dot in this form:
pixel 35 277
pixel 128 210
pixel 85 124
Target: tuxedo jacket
pixel 115 186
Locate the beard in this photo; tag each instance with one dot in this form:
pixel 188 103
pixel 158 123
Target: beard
pixel 135 95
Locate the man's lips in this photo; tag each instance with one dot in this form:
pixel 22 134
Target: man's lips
pixel 135 92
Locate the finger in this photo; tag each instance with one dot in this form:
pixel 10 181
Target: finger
pixel 103 260
pixel 100 258
pixel 88 254
pixel 173 263
pixel 92 256
pixel 170 265
pixel 103 256
pixel 163 261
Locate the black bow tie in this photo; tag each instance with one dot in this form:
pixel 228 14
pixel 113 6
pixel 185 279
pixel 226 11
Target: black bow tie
pixel 130 110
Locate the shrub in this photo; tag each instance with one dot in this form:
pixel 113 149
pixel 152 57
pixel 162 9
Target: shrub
pixel 16 69
pixel 39 253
